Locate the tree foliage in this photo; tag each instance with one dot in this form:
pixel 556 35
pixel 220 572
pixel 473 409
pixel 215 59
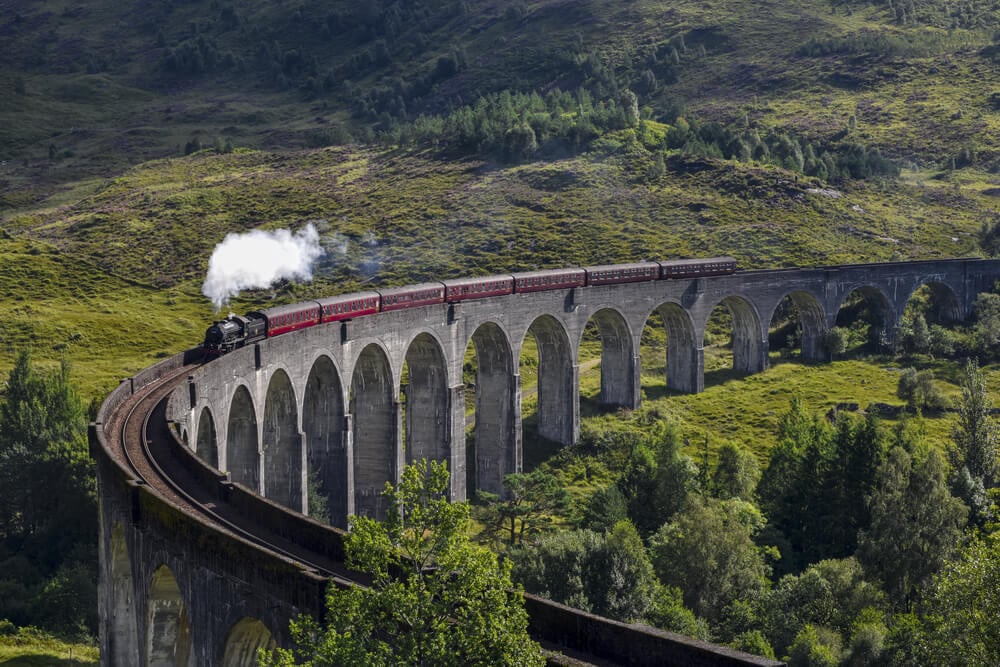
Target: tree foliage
pixel 604 509
pixel 814 487
pixel 976 436
pixel 919 391
pixel 708 552
pixel 657 479
pixel 435 598
pixel 963 609
pixel 736 474
pixel 526 508
pixel 829 594
pixel 975 451
pixel 986 329
pixel 48 517
pixel 916 524
pixel 607 574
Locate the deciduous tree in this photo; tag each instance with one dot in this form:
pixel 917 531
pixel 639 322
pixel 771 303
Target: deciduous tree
pixel 48 512
pixel 435 599
pixel 963 608
pixel 708 552
pixel 608 574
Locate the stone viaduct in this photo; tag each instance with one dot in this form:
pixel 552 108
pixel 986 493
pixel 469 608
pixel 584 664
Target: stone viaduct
pixel 334 401
pixel 340 408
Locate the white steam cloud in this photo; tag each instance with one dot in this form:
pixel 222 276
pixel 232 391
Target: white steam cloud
pixel 258 259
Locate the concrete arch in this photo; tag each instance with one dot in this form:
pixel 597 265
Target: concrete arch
pixel 685 363
pixel 168 629
pixel 619 360
pixel 558 402
pixel 427 404
pixel 376 431
pixel 242 449
pixel 245 637
pixel 812 319
pixel 124 635
pixel 883 315
pixel 749 343
pixel 496 447
pixel 282 444
pixel 326 439
pixel 207 444
pixel 948 305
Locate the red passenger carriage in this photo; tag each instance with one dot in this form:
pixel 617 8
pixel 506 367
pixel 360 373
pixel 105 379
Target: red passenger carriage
pixel 282 319
pixel 346 306
pixel 478 288
pixel 411 296
pixel 622 273
pixel 537 281
pixel 695 268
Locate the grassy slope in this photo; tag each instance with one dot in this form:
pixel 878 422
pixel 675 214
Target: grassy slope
pixel 61 306
pixel 122 266
pixel 736 58
pixel 106 261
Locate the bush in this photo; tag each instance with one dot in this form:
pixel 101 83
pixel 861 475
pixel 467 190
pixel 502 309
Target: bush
pixel 815 647
pixel 919 391
pixel 835 341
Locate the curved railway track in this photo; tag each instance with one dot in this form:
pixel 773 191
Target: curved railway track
pixel 138 436
pixel 143 442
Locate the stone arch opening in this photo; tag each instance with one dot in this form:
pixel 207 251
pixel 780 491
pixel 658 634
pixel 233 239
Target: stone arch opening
pixel 866 317
pixel 376 431
pixel 123 639
pixel 242 449
pixel 798 322
pixel 546 354
pixel 494 450
pixel 925 315
pixel 668 335
pixel 426 401
pixel 282 444
pixel 734 319
pixel 617 358
pixel 168 629
pixel 244 639
pixel 326 444
pixel 207 443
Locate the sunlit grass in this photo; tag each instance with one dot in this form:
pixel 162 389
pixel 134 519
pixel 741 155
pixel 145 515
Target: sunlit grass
pixel 29 647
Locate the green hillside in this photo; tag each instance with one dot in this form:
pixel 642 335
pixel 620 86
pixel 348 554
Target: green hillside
pixel 90 88
pixel 436 138
pixel 443 138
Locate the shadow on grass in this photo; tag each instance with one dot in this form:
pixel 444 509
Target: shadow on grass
pixel 722 376
pixel 657 391
pixel 536 449
pixel 590 406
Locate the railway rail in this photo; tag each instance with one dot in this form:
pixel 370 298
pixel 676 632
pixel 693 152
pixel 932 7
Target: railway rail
pixel 145 444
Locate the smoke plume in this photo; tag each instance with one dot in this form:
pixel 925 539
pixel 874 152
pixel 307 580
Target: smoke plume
pixel 258 259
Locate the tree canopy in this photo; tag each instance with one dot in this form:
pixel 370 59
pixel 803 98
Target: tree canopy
pixel 48 531
pixel 435 598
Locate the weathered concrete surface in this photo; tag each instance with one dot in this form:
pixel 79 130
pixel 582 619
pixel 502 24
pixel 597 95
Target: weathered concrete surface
pixel 328 403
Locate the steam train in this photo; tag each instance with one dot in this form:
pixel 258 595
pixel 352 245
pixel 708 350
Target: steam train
pixel 239 330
